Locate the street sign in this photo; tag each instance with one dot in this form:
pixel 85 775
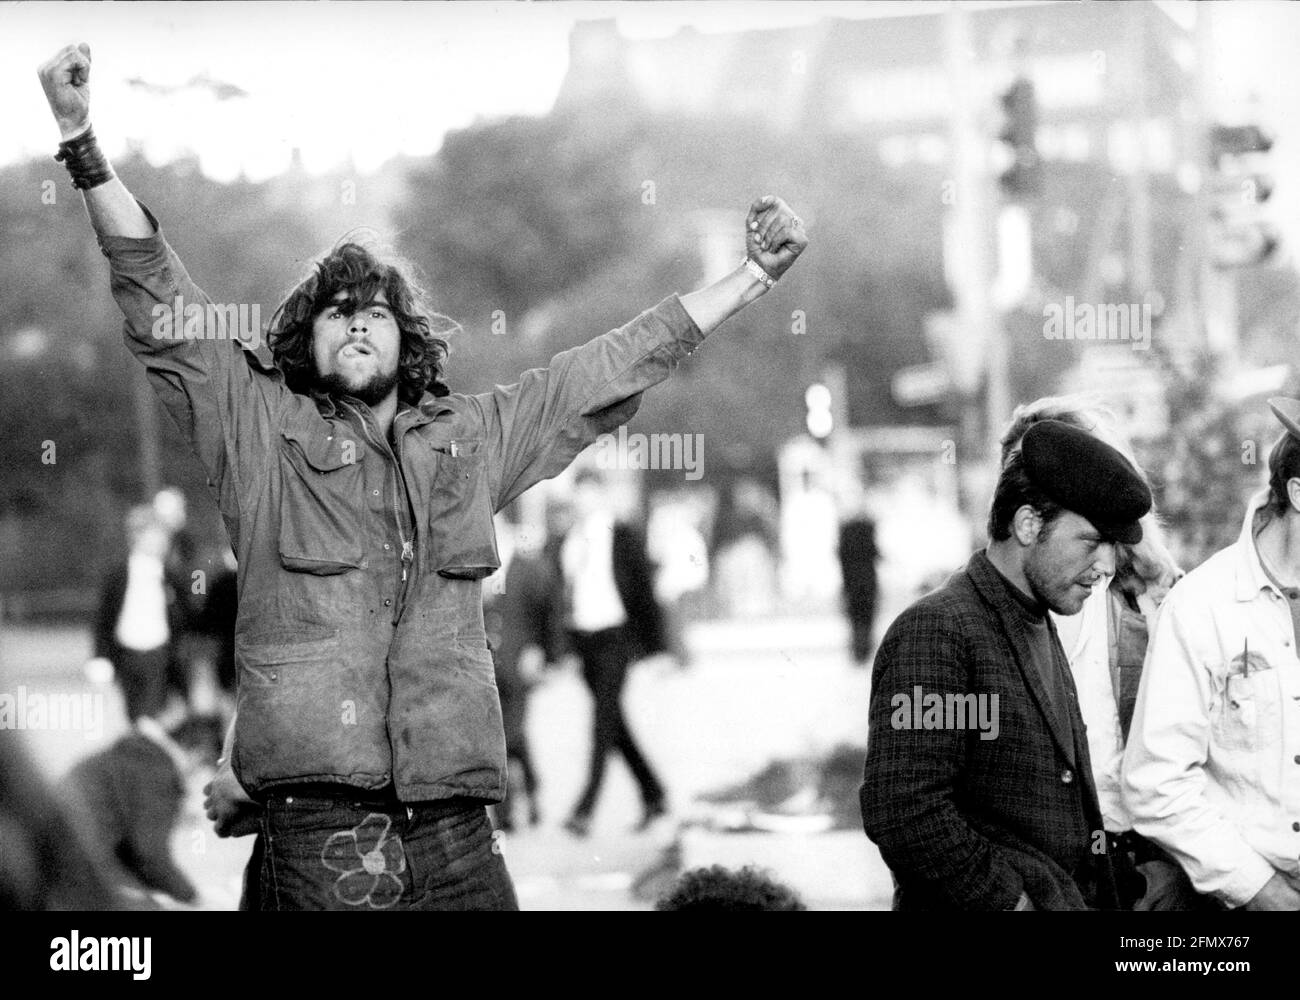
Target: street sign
pixel 920 385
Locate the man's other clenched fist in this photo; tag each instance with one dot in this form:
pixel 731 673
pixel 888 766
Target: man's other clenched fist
pixel 774 235
pixel 66 80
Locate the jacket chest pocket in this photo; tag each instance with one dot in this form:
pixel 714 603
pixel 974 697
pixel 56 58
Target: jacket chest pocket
pixel 463 542
pixel 321 498
pixel 1249 711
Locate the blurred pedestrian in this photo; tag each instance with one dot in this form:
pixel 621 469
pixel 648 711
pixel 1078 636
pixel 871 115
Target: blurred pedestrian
pixel 214 627
pixel 744 550
pixel 525 629
pixel 964 819
pixel 613 621
pixel 358 491
pixel 138 618
pixel 858 557
pixel 179 565
pixel 1210 769
pixel 1106 644
pixel 681 558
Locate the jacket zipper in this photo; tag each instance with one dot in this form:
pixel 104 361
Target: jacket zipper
pixel 408 545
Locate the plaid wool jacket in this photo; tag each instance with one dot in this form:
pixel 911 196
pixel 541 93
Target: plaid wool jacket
pixel 964 822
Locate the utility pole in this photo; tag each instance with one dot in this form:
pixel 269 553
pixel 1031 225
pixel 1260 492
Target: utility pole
pixel 1141 280
pixel 1218 287
pixel 970 266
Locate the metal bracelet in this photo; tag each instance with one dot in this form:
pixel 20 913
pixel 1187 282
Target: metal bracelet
pixel 753 267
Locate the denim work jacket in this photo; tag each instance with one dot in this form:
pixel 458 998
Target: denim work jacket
pixel 360 647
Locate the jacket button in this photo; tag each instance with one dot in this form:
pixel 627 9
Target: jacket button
pixel 1067 776
pixel 388 547
pixel 388 603
pixel 1295 827
pixel 374 493
pixel 1297 758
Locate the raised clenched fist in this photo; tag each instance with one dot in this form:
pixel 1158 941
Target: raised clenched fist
pixel 774 235
pixel 66 80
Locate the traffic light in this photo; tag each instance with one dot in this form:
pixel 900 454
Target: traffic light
pixel 1237 140
pixel 819 419
pixel 1023 177
pixel 1240 235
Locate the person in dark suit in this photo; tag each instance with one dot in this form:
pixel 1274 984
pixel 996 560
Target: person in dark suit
pixel 139 617
pixel 525 629
pixel 614 620
pixel 858 555
pixel 978 786
pixel 214 626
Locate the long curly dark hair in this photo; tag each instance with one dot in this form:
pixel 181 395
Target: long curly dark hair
pixel 718 888
pixel 356 270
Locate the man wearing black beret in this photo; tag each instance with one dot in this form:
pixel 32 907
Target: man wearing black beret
pixel 978 786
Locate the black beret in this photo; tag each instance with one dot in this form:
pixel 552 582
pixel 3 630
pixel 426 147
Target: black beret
pixel 1087 476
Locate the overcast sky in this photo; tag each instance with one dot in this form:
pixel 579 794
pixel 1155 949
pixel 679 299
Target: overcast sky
pixel 317 74
pixel 371 80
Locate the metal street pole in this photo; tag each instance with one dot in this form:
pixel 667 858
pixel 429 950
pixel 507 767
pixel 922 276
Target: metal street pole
pixel 971 267
pixel 1139 186
pixel 1218 288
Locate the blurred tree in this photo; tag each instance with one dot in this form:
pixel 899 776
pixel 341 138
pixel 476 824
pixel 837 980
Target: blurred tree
pixel 1210 458
pixel 65 374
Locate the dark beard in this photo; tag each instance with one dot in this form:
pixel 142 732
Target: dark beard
pixel 1038 589
pixel 373 390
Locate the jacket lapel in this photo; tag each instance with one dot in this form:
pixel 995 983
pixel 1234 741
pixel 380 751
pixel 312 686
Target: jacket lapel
pixel 989 584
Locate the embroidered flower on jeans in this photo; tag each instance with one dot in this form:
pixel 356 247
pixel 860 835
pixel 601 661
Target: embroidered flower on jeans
pixel 369 862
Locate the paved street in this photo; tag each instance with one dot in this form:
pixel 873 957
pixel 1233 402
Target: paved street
pixel 756 691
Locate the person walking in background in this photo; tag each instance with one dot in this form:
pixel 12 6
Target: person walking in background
pixel 525 630
pixel 1106 644
pixel 138 619
pixel 214 627
pixel 858 556
pixel 681 558
pixel 613 620
pixel 179 564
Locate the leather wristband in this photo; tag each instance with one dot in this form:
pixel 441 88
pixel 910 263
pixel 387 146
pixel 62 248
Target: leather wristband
pixel 84 160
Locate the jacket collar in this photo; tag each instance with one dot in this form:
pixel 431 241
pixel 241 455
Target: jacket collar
pixel 992 587
pixel 407 416
pixel 1249 575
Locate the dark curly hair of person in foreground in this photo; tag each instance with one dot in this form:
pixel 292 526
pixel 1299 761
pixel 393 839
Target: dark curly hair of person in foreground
pixel 718 888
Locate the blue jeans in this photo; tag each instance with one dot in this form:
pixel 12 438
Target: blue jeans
pixel 334 854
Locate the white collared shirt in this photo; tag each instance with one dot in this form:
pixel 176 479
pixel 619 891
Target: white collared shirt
pixel 1087 647
pixel 142 622
pixel 587 557
pixel 1212 769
